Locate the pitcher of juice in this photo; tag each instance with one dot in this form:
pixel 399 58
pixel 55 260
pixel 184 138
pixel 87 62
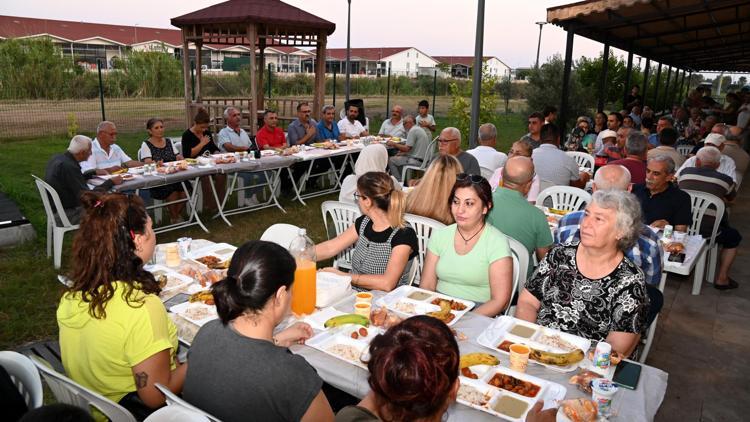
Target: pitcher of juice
pixel 304 287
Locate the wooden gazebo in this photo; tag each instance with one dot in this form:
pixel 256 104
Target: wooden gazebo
pixel 255 24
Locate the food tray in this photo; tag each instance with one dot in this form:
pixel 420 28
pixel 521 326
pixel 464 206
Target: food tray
pixel 222 251
pixel 175 280
pixel 342 335
pixel 549 392
pixel 422 299
pixel 502 330
pixel 184 310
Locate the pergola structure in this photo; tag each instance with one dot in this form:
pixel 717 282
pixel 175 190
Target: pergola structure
pixel 684 36
pixel 256 24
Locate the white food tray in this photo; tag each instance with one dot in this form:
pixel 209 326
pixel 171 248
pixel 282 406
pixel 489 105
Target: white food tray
pixel 325 340
pixel 184 310
pixel 406 295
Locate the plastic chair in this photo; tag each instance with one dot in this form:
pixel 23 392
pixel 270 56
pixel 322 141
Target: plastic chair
pixel 684 150
pixel 649 339
pixel 583 159
pixel 700 203
pixel 64 280
pixel 429 154
pixel 520 257
pixel 564 198
pixel 55 232
pixel 68 391
pixel 486 172
pixel 176 414
pixel 282 234
pixel 175 400
pixel 24 375
pixel 343 215
pixel 424 227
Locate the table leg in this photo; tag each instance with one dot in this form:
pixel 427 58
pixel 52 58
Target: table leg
pixel 297 193
pixel 193 199
pixel 216 198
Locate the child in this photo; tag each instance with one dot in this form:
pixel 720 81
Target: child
pixel 424 119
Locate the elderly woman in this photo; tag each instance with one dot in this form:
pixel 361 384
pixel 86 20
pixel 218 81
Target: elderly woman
pixel 159 149
pixel 590 288
pixel 434 190
pixel 470 259
pixel 520 148
pixel 372 158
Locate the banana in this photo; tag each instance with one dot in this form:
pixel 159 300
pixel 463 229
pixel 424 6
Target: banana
pixel 347 319
pixel 557 359
pixel 472 359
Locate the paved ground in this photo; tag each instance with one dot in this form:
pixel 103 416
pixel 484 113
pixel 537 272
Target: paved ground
pixel 703 342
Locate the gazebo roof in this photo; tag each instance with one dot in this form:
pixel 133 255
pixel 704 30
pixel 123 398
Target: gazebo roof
pixel 271 13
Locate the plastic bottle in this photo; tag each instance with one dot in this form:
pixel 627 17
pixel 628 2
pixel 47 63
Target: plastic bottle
pixel 302 249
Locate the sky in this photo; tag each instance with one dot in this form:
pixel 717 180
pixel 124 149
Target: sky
pixel 437 27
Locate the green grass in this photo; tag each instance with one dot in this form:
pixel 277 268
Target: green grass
pixel 29 290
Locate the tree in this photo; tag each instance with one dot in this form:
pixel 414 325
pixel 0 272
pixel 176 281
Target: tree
pixel 545 88
pixel 460 110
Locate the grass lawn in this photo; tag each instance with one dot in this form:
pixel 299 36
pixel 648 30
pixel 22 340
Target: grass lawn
pixel 29 290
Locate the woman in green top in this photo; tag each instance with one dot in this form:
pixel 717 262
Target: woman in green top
pixel 470 259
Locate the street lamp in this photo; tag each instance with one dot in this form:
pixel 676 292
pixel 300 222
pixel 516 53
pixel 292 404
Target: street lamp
pixel 348 45
pixel 539 43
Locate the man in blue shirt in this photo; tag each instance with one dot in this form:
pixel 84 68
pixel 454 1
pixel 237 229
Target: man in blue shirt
pixel 327 128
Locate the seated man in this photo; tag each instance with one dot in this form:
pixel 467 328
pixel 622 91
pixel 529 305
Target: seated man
pixel 646 253
pixel 733 149
pixel 63 173
pixel 328 129
pixel 450 144
pixel 534 123
pixel 232 138
pixel 704 177
pixel 661 124
pixel 486 152
pixel 270 135
pixel 726 165
pixel 513 215
pixel 303 130
pixel 635 150
pixel 412 152
pixel 520 148
pixel 668 139
pixel 393 127
pixel 553 165
pixel 662 202
pixel 351 127
pixel 106 156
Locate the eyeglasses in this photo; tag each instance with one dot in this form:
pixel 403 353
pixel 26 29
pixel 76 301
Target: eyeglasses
pixel 474 178
pixel 447 141
pixel 357 196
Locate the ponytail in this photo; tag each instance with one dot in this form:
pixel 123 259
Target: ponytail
pixel 396 209
pixel 379 187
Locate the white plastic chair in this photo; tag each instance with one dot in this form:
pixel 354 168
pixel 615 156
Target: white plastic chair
pixel 700 203
pixel 424 227
pixel 64 280
pixel 564 198
pixel 583 159
pixel 684 150
pixel 429 154
pixel 55 232
pixel 282 234
pixel 487 172
pixel 68 391
pixel 175 400
pixel 520 267
pixel 649 339
pixel 343 215
pixel 24 375
pixel 176 414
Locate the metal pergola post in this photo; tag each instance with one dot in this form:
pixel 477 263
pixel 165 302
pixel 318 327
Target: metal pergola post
pixel 603 77
pixel 348 46
pixel 388 91
pixel 656 88
pixel 690 80
pixel 681 92
pixel 666 89
pixel 566 80
pixel 645 80
pixel 477 75
pixel 626 89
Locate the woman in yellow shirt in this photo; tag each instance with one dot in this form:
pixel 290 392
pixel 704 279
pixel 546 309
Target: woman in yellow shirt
pixel 115 336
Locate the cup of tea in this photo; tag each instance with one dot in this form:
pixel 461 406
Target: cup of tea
pixel 519 357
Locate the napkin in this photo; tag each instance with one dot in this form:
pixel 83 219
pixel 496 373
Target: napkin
pixel 331 287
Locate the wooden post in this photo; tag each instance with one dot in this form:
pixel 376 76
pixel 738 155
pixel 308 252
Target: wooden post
pixel 603 77
pixel 253 108
pixel 261 70
pixel 186 77
pixel 198 69
pixel 566 82
pixel 320 75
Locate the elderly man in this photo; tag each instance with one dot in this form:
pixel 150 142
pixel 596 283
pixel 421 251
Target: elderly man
pixel 718 128
pixel 449 143
pixel 726 166
pixel 662 202
pixel 394 127
pixel 614 121
pixel 668 139
pixel 486 152
pixel 303 130
pixel 351 127
pixel 513 215
pixel 646 253
pixel 270 135
pixel 412 152
pixel 232 138
pixel 534 122
pixel 705 178
pixel 63 173
pixel 106 156
pixel 555 167
pixel 635 154
pixel 733 149
pixel 327 127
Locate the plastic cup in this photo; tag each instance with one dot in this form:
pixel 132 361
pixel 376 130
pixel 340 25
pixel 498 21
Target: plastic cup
pixel 679 236
pixel 602 355
pixel 363 297
pixel 602 392
pixel 362 309
pixel 519 357
pixel 173 255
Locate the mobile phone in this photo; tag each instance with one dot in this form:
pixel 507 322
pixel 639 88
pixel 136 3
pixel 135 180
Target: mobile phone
pixel 627 374
pixel 677 257
pixel 176 300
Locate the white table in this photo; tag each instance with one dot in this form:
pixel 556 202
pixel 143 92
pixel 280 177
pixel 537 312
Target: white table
pixel 695 259
pixel 309 156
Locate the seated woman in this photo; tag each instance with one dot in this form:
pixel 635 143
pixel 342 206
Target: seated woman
pixel 373 157
pixel 521 148
pixel 413 374
pixel 470 259
pixel 115 335
pixel 590 288
pixel 239 368
pixel 384 246
pixel 159 149
pixel 434 190
pixel 196 141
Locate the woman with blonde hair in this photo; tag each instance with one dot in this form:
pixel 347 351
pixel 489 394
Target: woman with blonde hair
pixel 373 157
pixel 384 246
pixel 430 197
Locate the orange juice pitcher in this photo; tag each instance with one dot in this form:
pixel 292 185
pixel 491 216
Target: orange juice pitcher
pixel 304 287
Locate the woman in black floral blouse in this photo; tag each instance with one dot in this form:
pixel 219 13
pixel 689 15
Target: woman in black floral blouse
pixel 590 288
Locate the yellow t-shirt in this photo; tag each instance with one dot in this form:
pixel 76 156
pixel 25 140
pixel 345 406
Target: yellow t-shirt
pixel 99 353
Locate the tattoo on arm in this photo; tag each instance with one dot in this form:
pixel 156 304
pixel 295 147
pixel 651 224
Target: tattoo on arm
pixel 141 380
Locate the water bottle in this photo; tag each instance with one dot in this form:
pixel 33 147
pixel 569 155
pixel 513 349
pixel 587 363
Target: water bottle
pixel 302 249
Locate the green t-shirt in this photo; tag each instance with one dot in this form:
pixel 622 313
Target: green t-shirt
pixel 467 276
pixel 514 216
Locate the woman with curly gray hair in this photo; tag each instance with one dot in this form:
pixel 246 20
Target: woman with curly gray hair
pixel 590 288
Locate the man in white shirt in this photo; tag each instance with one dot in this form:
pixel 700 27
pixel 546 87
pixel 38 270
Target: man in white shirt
pixel 726 164
pixel 351 127
pixel 394 127
pixel 232 138
pixel 106 156
pixel 486 153
pixel 554 166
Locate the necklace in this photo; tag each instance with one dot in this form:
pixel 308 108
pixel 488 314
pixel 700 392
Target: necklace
pixel 466 241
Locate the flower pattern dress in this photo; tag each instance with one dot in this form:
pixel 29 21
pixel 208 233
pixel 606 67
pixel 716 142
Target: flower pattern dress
pixel 588 308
